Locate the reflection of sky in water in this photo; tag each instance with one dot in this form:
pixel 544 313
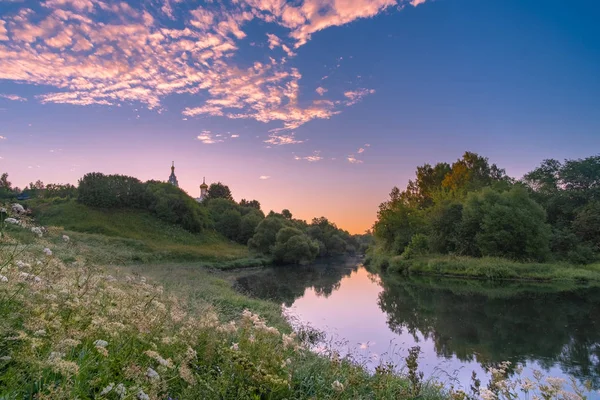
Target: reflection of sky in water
pixel 355 324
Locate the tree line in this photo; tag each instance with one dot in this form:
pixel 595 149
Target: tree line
pixel 471 207
pixel 276 235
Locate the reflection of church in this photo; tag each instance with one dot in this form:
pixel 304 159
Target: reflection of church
pixel 203 186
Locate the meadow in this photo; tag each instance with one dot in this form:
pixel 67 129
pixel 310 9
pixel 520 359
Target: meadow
pixel 74 326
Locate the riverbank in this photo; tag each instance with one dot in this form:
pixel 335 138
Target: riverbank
pixel 487 268
pixel 72 328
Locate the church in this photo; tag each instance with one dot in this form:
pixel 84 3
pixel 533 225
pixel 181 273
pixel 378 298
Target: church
pixel 203 187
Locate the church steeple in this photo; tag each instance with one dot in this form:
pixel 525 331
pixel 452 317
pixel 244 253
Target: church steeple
pixel 172 177
pixel 203 191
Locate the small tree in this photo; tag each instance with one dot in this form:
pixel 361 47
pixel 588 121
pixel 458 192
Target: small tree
pixel 219 191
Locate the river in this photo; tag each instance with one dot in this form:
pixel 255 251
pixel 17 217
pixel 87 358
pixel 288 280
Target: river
pixel 460 326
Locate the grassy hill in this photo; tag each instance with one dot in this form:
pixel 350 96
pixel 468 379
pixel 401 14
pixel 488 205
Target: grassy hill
pixel 124 236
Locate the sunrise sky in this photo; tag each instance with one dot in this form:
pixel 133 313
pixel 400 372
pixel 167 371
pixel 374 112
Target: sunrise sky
pixel 319 106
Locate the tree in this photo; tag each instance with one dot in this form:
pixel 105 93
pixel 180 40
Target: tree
pixel 250 204
pixel 266 234
pixel 294 247
pixel 286 214
pixel 4 182
pixel 471 173
pixel 444 221
pixel 587 224
pixel 219 191
pixel 504 224
pixel 248 226
pixel 229 224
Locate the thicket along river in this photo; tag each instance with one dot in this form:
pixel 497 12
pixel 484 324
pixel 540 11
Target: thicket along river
pixel 461 326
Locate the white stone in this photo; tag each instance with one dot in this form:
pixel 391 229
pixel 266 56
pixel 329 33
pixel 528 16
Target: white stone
pixel 47 251
pixel 11 221
pixel 66 239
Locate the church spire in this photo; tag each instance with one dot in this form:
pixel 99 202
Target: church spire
pixel 172 177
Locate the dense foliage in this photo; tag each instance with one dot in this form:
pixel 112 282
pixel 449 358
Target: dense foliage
pixel 473 208
pixel 165 201
pixel 278 236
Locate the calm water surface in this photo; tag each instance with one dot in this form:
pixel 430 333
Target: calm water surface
pixel 460 326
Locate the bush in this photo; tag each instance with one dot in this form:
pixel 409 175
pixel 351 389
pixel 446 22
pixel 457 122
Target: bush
pixel 294 247
pixel 581 255
pixel 418 246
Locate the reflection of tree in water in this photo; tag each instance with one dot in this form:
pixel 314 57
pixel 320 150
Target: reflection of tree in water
pixel 467 319
pixel 286 284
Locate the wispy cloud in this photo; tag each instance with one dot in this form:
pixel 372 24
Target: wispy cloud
pixel 95 52
pixel 353 160
pixel 280 140
pixel 316 156
pixel 13 97
pixel 354 96
pixel 234 136
pixel 207 137
pixel 2 137
pixel 264 177
pixel 415 3
pixel 321 90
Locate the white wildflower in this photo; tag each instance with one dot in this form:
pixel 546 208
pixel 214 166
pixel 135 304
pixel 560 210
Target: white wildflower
pixel 100 343
pixel 556 383
pixel 21 264
pixel 11 221
pixel 66 239
pixel 527 385
pixel 107 389
pixel 55 356
pixel 37 231
pixel 235 347
pixel 121 390
pixel 142 396
pixel 3 278
pixel 40 332
pixel 5 358
pixel 230 327
pixel 337 386
pixel 487 394
pixel 110 278
pixel 158 358
pixel 47 251
pixel 288 340
pixel 3 210
pixel 18 209
pixel 251 339
pixel 152 374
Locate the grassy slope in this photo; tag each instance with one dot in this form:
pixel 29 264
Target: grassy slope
pixel 126 236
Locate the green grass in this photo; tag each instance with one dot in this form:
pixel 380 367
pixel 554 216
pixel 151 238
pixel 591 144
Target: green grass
pixel 495 269
pixel 133 236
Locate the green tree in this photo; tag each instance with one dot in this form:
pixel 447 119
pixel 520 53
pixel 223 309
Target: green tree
pixel 286 214
pixel 444 221
pixel 229 223
pixel 266 233
pixel 248 226
pixel 219 191
pixel 250 204
pixel 504 224
pixel 4 182
pixel 294 247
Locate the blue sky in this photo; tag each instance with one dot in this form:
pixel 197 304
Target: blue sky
pixel 316 106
